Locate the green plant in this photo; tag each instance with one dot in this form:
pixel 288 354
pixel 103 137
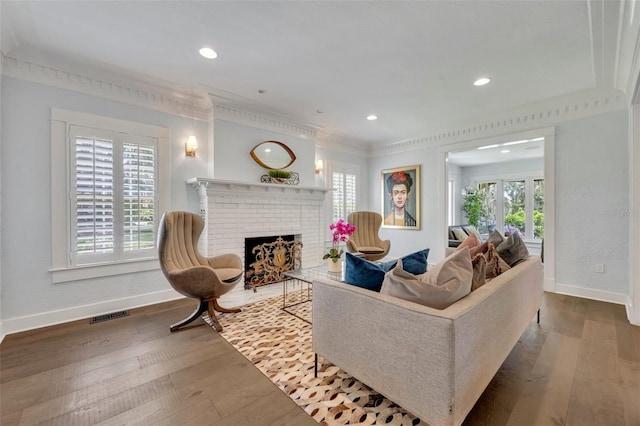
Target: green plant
pixel 517 219
pixel 472 208
pixel 279 174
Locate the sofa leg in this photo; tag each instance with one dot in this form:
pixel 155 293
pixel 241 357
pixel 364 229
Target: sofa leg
pixel 538 316
pixel 315 367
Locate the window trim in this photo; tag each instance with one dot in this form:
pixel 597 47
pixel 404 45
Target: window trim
pixel 61 121
pixel 528 178
pixel 340 167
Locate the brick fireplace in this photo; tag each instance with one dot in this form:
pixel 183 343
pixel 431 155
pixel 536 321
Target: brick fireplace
pixel 233 211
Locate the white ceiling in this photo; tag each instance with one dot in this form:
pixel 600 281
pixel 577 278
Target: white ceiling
pixel 500 153
pixel 410 63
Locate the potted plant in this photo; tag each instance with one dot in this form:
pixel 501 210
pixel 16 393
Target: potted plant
pixel 278 175
pixel 341 233
pixel 472 208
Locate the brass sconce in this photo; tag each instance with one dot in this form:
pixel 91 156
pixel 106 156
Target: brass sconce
pixel 318 166
pixel 191 146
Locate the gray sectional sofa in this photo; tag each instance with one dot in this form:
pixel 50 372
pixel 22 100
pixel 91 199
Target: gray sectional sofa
pixel 434 363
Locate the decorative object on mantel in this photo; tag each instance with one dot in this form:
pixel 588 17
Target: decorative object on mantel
pixel 292 179
pixel 341 233
pixel 275 156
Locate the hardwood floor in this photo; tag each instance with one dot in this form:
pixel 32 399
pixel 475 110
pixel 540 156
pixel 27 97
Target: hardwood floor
pixel 580 366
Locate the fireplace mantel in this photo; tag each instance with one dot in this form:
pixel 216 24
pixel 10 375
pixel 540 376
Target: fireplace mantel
pixel 233 211
pixel 230 185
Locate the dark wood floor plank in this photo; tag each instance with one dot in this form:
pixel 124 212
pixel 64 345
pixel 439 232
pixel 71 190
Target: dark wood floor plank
pixel 545 398
pixel 596 396
pixel 89 395
pixel 581 365
pixel 115 404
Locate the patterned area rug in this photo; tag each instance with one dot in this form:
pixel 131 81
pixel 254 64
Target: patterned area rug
pixel 279 344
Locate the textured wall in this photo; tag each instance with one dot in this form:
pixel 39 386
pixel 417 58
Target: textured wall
pixel 26 216
pixel 592 203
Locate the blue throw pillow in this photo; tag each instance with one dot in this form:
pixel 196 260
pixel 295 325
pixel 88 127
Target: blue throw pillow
pixel 362 273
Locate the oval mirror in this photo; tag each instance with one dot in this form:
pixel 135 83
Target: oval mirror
pixel 273 155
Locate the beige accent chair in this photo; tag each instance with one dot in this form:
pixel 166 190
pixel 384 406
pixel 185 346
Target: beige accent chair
pixel 191 274
pixel 365 239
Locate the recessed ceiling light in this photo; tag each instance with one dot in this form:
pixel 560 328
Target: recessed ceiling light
pixel 319 111
pixel 489 146
pixel 372 117
pixel 482 81
pixel 504 151
pixel 208 53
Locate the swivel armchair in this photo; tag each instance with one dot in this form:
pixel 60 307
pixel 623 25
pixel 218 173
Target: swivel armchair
pixel 365 239
pixel 191 274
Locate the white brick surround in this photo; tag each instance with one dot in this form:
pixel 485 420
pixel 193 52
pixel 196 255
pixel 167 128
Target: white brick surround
pixel 234 211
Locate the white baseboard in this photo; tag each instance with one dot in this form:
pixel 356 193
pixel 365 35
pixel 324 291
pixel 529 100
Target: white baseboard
pixel 588 293
pixel 44 319
pixel 633 314
pixel 549 284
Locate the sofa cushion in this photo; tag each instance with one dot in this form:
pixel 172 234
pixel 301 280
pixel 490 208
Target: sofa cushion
pixel 459 234
pixel 363 273
pixel 495 238
pixel 444 284
pixel 470 229
pixel 495 264
pixel 479 266
pixel 471 241
pixel 513 249
pixel 480 249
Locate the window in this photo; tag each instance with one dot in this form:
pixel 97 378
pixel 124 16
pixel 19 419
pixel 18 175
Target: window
pixel 513 205
pixel 344 179
pixel 109 186
pixel 112 197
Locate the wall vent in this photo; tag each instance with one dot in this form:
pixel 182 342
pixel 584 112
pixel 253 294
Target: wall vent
pixel 107 317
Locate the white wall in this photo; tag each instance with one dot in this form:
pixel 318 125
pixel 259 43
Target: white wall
pixel 404 241
pixel 233 142
pixel 29 298
pixel 592 201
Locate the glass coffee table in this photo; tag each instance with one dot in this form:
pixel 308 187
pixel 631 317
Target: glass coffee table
pixel 301 280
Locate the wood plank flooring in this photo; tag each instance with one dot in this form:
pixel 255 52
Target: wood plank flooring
pixel 580 366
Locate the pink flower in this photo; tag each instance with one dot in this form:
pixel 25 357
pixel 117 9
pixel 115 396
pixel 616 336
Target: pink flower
pixel 341 233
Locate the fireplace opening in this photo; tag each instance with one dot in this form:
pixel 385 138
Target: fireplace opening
pixel 266 259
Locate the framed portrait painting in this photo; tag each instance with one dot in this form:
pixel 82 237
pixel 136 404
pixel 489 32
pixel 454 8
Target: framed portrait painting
pixel 401 198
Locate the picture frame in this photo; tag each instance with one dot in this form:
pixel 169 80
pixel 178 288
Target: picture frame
pixel 400 195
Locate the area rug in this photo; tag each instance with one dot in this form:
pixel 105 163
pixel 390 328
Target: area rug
pixel 279 344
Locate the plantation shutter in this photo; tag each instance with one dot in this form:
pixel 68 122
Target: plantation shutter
pixel 94 195
pixel 344 195
pixel 113 196
pixel 138 192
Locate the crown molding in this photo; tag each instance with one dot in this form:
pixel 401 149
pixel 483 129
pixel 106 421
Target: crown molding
pixel 262 121
pixel 135 93
pixel 548 113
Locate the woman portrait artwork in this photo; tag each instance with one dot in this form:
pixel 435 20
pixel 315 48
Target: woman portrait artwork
pixel 400 197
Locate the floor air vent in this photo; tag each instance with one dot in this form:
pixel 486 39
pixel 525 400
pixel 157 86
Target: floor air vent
pixel 107 317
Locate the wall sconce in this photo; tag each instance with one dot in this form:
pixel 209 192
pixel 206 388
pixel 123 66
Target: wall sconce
pixel 318 166
pixel 191 146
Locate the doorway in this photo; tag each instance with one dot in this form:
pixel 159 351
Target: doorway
pixel 513 177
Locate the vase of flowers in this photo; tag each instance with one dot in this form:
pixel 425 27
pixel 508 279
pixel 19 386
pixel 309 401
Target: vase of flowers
pixel 341 232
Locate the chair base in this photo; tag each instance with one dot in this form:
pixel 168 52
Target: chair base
pixel 209 306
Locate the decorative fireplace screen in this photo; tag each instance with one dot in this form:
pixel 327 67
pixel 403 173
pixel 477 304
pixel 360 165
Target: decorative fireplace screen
pixel 266 259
